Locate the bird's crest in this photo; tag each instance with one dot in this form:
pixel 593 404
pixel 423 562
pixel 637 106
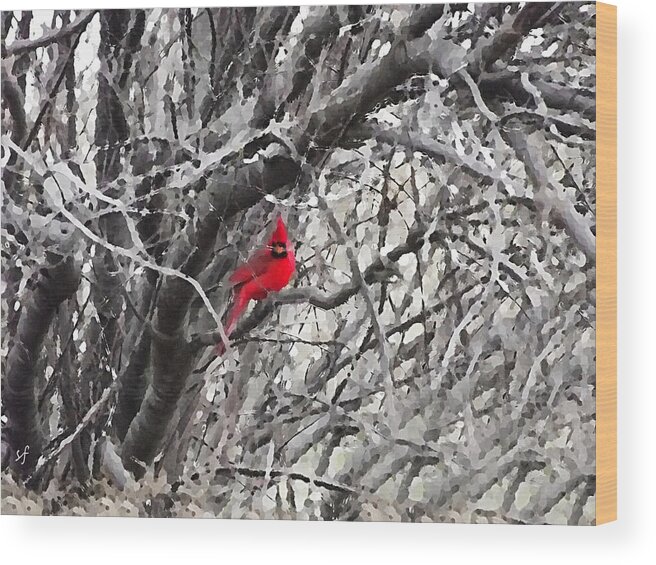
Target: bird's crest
pixel 280 233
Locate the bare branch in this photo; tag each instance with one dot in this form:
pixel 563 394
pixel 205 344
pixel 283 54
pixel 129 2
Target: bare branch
pixel 550 198
pixel 14 99
pixel 24 45
pixel 360 283
pixel 512 31
pixel 53 91
pixel 278 474
pixel 557 96
pixel 476 93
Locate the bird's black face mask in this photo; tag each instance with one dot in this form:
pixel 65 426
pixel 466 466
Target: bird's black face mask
pixel 278 250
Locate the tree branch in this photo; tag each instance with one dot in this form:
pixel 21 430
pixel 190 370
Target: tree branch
pixel 550 198
pixel 24 45
pixel 547 197
pixel 275 474
pixel 557 96
pixel 359 282
pixel 512 31
pixel 377 271
pixel 53 91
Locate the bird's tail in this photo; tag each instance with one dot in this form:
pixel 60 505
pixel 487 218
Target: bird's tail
pixel 236 310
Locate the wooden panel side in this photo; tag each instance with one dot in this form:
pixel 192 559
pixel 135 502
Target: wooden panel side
pixel 606 496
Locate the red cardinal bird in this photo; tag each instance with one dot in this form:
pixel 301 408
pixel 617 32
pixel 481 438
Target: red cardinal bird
pixel 267 271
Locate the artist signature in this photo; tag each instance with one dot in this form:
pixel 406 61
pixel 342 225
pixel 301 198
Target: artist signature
pixel 22 456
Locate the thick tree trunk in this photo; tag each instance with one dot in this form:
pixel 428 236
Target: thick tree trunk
pixel 170 352
pixel 56 284
pixel 120 36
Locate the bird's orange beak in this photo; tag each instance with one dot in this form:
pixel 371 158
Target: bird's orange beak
pixel 279 248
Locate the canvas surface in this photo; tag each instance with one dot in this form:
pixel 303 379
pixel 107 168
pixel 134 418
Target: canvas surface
pixel 417 343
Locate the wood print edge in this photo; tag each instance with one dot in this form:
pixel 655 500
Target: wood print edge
pixel 606 389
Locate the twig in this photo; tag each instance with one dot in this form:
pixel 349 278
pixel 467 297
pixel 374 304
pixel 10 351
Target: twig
pixel 476 93
pixel 14 99
pixel 276 473
pixel 571 178
pixel 472 312
pixel 146 323
pixel 534 92
pixel 210 339
pixel 582 127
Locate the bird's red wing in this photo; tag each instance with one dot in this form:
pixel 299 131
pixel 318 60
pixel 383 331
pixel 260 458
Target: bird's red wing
pixel 253 268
